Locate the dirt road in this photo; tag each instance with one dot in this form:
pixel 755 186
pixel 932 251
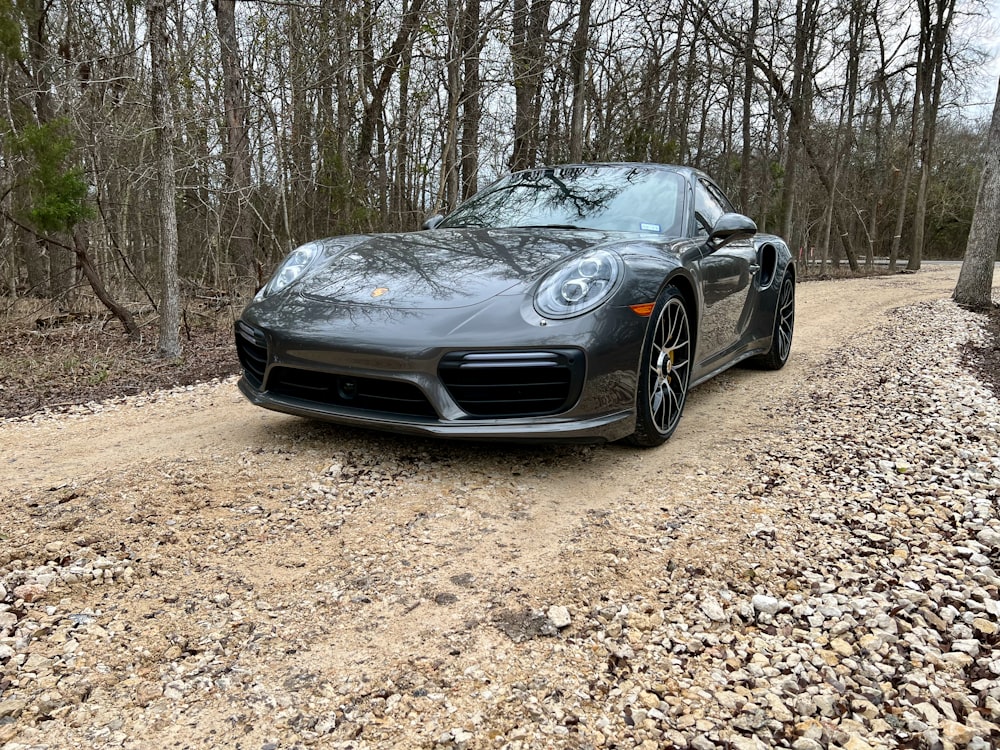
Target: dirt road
pixel 219 422
pixel 249 579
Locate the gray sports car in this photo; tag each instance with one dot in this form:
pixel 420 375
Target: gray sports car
pixel 568 303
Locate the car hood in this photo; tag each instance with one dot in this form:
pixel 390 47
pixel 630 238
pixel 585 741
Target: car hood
pixel 442 268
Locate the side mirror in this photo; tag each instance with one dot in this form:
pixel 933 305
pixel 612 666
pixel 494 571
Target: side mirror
pixel 731 227
pixel 433 221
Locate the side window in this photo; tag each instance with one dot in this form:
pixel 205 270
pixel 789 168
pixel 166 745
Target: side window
pixel 707 209
pixel 723 201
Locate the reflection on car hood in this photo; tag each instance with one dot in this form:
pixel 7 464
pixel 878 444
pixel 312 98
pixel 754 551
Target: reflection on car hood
pixel 442 268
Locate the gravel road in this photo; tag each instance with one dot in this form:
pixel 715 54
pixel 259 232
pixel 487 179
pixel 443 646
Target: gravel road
pixel 810 562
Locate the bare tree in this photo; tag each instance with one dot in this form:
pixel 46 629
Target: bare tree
pixel 976 277
pixel 156 18
pixel 237 153
pixel 748 80
pixel 935 35
pixel 378 88
pixel 472 44
pixel 531 29
pixel 578 64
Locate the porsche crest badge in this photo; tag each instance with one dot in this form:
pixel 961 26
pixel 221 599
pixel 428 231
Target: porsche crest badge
pixel 380 291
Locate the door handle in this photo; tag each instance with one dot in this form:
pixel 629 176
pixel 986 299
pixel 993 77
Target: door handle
pixel 754 268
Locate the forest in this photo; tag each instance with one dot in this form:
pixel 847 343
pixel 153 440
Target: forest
pixel 192 144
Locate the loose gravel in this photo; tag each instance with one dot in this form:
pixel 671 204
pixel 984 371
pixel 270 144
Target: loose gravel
pixel 832 586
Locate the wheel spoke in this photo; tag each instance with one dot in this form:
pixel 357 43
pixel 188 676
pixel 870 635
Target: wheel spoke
pixel 656 403
pixel 676 327
pixel 675 400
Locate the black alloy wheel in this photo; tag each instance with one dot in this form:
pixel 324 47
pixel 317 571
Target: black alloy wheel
pixel 784 327
pixel 664 371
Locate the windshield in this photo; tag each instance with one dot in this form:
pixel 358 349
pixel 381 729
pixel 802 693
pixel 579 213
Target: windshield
pixel 610 198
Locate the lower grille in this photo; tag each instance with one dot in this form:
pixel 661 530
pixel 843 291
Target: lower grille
pixel 371 394
pixel 513 384
pixel 251 348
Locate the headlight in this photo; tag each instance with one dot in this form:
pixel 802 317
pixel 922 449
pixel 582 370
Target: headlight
pixel 579 286
pixel 291 268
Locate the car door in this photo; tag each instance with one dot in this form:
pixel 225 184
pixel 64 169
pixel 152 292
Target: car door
pixel 727 277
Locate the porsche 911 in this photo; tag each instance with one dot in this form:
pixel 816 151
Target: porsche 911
pixel 575 303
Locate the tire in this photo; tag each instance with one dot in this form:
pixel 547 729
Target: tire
pixel 664 371
pixel 784 327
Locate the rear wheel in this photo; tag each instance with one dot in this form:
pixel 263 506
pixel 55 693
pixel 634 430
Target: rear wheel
pixel 784 327
pixel 664 371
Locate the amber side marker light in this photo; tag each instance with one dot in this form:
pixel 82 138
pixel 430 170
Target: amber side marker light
pixel 645 309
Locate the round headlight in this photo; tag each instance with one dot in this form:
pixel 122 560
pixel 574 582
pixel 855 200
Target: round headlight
pixel 578 286
pixel 292 267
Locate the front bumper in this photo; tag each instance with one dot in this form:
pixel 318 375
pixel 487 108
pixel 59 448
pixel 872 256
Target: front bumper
pixel 395 370
pixel 605 428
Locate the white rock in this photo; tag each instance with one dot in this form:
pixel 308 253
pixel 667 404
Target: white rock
pixel 712 609
pixel 559 616
pixel 768 605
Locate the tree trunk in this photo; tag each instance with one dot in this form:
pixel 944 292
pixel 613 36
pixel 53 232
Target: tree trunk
pixel 797 121
pixel 238 225
pixel 471 100
pixel 936 32
pixel 578 71
pixel 400 192
pixel 748 79
pixel 975 280
pixel 169 341
pixel 904 191
pixel 527 51
pixel 81 243
pixel 448 191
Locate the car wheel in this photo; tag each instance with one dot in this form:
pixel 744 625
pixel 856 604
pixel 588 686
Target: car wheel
pixel 784 327
pixel 664 371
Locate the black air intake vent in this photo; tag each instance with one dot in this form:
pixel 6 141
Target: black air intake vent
pixel 513 384
pixel 371 394
pixel 251 348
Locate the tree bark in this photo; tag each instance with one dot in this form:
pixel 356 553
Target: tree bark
pixel 935 32
pixel 448 191
pixel 527 51
pixel 798 120
pixel 975 280
pixel 471 99
pixel 169 340
pixel 400 187
pixel 911 148
pixel 748 79
pixel 578 68
pixel 81 244
pixel 237 155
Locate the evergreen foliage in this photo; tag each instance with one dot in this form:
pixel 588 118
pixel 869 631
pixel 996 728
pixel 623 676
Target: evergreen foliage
pixel 57 190
pixel 10 32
